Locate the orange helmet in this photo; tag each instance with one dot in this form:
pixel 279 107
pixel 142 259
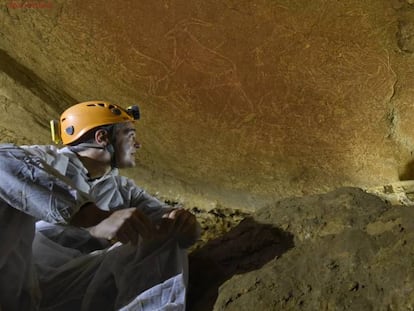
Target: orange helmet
pixel 80 118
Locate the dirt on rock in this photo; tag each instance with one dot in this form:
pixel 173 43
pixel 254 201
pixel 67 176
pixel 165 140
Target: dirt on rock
pixel 344 250
pixel 232 242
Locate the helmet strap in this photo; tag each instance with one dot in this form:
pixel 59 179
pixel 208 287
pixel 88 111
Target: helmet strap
pixel 110 147
pixel 111 150
pixel 87 145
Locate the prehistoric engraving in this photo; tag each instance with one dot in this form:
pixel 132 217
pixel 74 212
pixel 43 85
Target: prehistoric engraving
pixel 221 72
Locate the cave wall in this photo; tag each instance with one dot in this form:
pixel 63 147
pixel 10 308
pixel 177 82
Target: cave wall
pixel 242 101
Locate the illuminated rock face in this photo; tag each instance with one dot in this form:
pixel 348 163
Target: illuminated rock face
pixel 343 250
pixel 242 101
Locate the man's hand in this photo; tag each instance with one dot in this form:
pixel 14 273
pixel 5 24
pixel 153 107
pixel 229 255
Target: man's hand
pixel 183 224
pixel 125 225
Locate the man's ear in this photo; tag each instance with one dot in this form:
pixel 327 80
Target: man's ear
pixel 102 137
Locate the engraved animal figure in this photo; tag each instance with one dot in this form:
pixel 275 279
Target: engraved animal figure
pixel 222 72
pixel 188 49
pixel 152 70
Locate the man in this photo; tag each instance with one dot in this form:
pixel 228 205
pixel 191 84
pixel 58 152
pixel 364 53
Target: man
pixel 84 204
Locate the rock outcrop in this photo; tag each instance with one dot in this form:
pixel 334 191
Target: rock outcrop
pixel 350 250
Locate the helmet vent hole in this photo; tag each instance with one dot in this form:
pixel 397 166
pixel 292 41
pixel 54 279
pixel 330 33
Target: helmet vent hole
pixel 70 130
pixel 116 111
pixel 101 104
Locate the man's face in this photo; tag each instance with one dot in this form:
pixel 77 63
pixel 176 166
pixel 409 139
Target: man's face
pixel 126 145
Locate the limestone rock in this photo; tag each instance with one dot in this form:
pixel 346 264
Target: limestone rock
pixel 352 252
pixel 243 102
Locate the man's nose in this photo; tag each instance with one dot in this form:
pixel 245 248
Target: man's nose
pixel 137 144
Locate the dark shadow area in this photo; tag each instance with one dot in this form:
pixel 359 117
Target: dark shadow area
pixel 56 99
pixel 245 248
pixel 408 173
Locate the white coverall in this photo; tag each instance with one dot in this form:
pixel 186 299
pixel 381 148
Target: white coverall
pixel 49 184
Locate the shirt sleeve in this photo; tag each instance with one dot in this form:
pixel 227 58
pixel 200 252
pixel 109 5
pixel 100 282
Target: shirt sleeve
pixel 148 204
pixel 32 186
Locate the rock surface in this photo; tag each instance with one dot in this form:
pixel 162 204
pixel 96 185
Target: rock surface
pixel 243 102
pixel 344 250
pixel 246 102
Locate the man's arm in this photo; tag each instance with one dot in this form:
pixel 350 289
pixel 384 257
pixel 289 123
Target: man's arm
pixel 32 186
pixel 168 220
pixel 124 225
pixel 29 184
pixel 183 224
